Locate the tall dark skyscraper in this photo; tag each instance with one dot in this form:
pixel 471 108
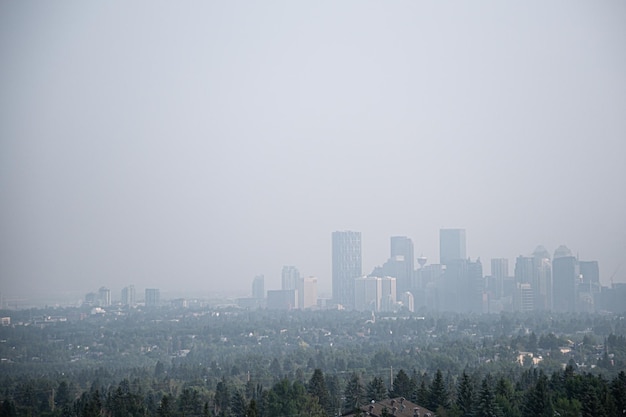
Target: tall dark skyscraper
pixel 477 300
pixel 402 255
pixel 451 245
pixel 565 275
pixel 524 270
pixel 346 265
pixel 499 274
pixel 590 272
pixel 589 286
pixel 461 288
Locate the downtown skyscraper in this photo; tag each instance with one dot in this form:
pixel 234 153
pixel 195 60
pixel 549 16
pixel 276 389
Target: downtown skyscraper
pixel 565 273
pixel 402 255
pixel 451 245
pixel 289 277
pixel 347 265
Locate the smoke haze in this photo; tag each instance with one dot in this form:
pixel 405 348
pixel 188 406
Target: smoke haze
pixel 191 146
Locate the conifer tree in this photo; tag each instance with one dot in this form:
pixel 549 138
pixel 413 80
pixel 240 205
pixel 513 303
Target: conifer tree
pixel 423 395
pixel 618 391
pixel 486 405
pixel 7 409
pixel 376 389
pixel 93 406
pixel 317 388
pixel 414 386
pixel 165 407
pixel 62 396
pixel 222 397
pixel 401 385
pixel 252 410
pixel 334 394
pixel 438 395
pixel 238 404
pixel 537 400
pixel 354 393
pixel 465 395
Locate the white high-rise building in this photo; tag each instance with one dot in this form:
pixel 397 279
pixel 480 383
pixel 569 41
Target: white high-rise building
pixel 104 297
pixel 307 292
pixel 388 293
pixel 408 301
pixel 374 293
pixel 128 296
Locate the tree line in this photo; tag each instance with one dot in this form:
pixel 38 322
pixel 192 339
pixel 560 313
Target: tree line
pixel 470 394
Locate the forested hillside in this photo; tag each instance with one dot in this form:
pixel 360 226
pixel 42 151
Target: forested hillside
pixel 230 362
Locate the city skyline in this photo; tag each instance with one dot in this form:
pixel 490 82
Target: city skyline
pixel 369 263
pixel 193 148
pixel 346 248
pixel 541 282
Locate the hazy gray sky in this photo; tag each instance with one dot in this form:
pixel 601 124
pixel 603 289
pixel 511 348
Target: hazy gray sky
pixel 193 145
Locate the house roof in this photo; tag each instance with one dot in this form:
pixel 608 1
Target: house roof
pixel 398 407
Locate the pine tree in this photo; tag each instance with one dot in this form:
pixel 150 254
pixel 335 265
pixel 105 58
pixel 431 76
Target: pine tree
pixel 618 391
pixel 275 369
pixel 151 404
pixel 238 404
pixel 159 369
pixel 465 395
pixel 401 385
pixel 122 402
pixel 414 386
pixel 62 396
pixel 252 410
pixel 486 406
pixel 354 393
pixel 165 408
pixel 505 398
pixel 376 389
pixel 438 395
pixel 423 395
pixel 250 389
pixel 93 406
pixel 537 400
pixel 282 399
pixel 7 409
pixel 334 394
pixel 317 388
pixel 222 397
pixel 591 404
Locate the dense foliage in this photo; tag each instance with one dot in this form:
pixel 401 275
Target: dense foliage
pixel 229 362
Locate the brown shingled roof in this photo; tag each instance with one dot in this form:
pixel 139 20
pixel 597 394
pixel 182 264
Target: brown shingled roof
pixel 398 407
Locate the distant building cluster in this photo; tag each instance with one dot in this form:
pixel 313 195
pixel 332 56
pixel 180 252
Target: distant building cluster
pixel 102 298
pixel 540 282
pixel 537 282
